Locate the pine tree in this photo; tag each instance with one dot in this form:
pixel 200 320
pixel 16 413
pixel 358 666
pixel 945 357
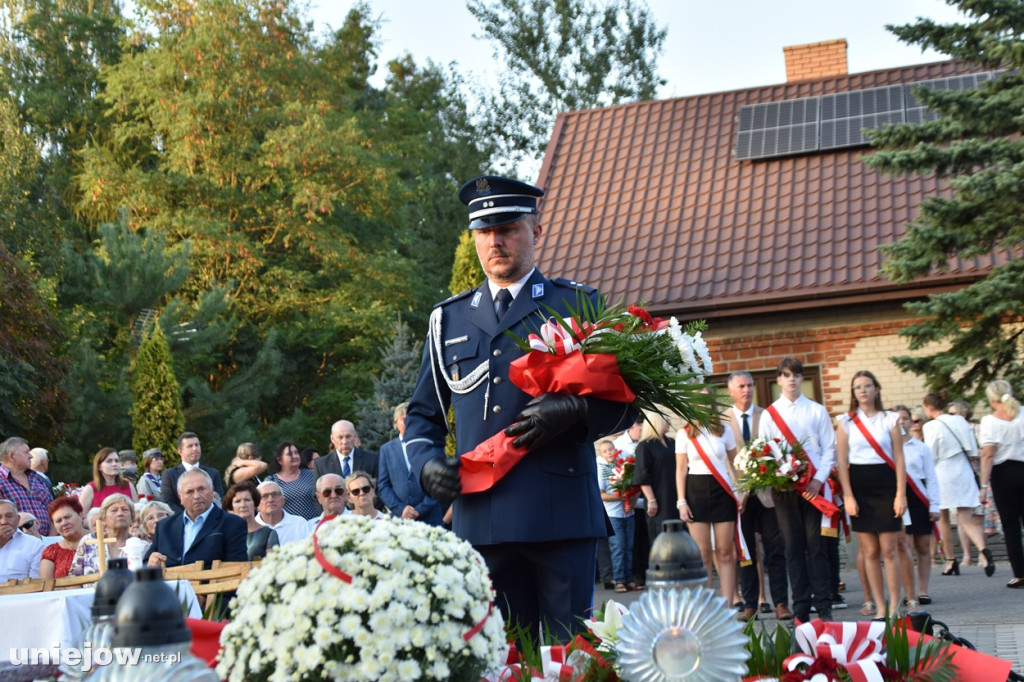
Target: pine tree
pixel 157 416
pixel 466 270
pixel 400 363
pixel 975 145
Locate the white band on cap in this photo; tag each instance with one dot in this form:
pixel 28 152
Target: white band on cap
pixel 501 209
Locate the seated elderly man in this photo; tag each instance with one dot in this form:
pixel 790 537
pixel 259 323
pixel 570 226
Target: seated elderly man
pixel 20 554
pixel 332 495
pixel 289 527
pixel 363 493
pixel 201 531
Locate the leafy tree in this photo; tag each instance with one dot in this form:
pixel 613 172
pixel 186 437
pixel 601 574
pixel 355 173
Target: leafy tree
pixel 394 384
pixel 32 402
pixel 157 417
pixel 466 271
pixel 564 55
pixel 977 148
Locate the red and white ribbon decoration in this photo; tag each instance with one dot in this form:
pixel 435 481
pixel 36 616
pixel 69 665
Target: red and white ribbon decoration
pixel 855 646
pixel 556 339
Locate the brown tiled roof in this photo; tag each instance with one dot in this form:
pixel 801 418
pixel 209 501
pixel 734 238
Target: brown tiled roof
pixel 646 202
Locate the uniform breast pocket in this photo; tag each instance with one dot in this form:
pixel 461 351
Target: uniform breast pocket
pixel 461 356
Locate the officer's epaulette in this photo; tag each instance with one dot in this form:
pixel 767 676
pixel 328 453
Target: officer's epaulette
pixel 585 288
pixel 456 297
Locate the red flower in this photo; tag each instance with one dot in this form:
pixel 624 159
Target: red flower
pixel 764 469
pixel 637 311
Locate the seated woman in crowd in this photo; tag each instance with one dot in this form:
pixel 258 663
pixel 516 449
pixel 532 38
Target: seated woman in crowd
pixel 362 491
pixel 242 500
pixel 151 514
pixel 152 466
pixel 297 483
pixel 106 480
pixel 307 457
pixel 117 514
pixel 69 522
pixel 248 465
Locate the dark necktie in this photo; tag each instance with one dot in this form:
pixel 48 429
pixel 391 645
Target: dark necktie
pixel 502 303
pixel 746 427
pixel 346 470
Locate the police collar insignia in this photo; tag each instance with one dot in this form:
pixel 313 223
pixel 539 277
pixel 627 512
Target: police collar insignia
pixel 476 299
pixel 538 290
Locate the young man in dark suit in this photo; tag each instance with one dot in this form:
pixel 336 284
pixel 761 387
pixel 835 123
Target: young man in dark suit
pixel 190 451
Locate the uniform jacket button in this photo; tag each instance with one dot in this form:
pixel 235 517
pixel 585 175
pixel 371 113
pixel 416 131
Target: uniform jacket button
pixel 497 353
pixel 497 380
pixel 572 470
pixel 496 409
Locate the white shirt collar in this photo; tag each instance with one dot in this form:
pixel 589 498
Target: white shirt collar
pixel 513 288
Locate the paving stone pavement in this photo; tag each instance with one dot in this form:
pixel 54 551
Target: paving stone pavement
pixel 975 607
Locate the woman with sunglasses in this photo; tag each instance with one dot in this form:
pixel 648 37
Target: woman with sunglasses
pixel 241 500
pixel 363 494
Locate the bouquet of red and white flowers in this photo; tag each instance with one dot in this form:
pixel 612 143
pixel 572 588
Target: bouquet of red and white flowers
pixel 770 463
pixel 622 354
pixel 621 480
pixel 61 489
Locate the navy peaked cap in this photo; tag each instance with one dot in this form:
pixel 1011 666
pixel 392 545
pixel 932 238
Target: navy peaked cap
pixel 494 200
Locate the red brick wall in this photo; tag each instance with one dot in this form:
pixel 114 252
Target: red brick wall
pixel 827 347
pixel 815 60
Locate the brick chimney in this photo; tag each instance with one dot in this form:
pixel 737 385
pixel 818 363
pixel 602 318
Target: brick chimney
pixel 815 60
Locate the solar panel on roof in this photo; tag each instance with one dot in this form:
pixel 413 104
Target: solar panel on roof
pixel 919 113
pixel 778 128
pixel 783 128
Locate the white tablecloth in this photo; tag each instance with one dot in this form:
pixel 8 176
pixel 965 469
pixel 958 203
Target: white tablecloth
pixel 43 620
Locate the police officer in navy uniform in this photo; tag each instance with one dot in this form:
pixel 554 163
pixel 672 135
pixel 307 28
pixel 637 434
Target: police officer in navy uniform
pixel 537 526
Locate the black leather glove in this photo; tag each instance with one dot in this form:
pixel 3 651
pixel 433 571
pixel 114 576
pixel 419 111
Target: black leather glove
pixel 439 478
pixel 547 417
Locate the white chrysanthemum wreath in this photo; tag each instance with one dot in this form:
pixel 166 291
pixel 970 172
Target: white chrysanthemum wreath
pixel 365 600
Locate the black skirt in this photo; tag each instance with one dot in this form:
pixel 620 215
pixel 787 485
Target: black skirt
pixel 919 523
pixel 874 486
pixel 709 503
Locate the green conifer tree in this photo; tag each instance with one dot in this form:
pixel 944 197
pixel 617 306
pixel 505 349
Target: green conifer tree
pixel 976 145
pixel 466 270
pixel 157 415
pixel 400 363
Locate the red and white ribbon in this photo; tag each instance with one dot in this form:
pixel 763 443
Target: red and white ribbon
pixel 556 338
pixel 855 646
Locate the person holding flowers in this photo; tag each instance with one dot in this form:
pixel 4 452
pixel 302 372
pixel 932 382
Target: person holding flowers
pixel 537 526
pixel 869 450
pixel 617 504
pixel 801 423
pixel 707 502
pixel 535 371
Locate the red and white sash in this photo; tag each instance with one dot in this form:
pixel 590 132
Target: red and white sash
pixel 721 474
pixel 829 521
pixel 888 460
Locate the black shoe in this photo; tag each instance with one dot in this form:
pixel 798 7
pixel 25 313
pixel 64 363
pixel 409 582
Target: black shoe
pixel 1016 584
pixel 766 607
pixel 990 567
pixel 954 569
pixel 609 585
pixel 825 615
pixel 838 602
pixel 803 617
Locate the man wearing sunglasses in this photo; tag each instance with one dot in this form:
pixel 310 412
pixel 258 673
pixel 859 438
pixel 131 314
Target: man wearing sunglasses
pixel 272 514
pixel 363 494
pixel 332 495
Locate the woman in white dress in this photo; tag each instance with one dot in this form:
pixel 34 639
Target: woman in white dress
pixel 951 441
pixel 916 540
pixel 869 462
pixel 1002 469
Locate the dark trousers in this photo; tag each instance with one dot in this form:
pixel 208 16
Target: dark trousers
pixel 604 561
pixel 641 546
pixel 760 519
pixel 549 583
pixel 809 570
pixel 832 552
pixel 1008 494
